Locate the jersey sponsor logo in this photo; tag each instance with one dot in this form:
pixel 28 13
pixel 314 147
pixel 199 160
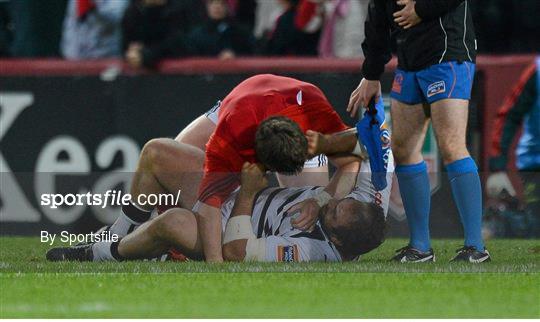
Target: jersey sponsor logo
pixel 396 85
pixel 287 253
pixel 436 88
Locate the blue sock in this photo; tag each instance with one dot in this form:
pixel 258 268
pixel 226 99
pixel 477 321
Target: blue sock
pixel 465 182
pixel 416 195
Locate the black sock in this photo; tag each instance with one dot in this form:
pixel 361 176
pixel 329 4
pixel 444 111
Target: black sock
pixel 115 253
pixel 135 213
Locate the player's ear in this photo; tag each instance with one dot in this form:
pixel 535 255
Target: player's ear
pixel 261 167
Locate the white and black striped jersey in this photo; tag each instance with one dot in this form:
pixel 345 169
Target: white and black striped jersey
pixel 285 243
pixel 270 220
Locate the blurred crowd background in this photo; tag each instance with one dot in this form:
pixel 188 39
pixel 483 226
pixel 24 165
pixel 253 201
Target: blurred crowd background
pixel 143 32
pixel 146 31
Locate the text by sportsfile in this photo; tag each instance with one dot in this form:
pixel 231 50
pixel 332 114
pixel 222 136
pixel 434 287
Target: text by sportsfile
pixel 67 237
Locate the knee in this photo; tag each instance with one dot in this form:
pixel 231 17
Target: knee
pixel 167 225
pixel 401 153
pixel 154 149
pixel 451 152
pixel 163 154
pixel 446 154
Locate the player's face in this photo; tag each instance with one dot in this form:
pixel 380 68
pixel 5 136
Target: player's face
pixel 337 214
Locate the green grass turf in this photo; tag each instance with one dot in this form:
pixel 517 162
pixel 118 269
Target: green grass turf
pixel 509 287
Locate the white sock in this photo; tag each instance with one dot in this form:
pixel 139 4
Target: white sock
pixel 123 225
pixel 102 252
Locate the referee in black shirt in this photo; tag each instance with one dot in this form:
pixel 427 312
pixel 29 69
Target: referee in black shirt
pixel 436 49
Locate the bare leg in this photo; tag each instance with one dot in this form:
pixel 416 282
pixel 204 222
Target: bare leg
pixel 165 166
pixel 450 124
pixel 409 127
pixel 174 228
pixel 197 133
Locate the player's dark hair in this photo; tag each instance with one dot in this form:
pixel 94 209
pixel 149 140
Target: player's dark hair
pixel 281 145
pixel 364 232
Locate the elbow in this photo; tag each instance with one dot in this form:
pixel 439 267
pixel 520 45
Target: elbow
pixel 234 251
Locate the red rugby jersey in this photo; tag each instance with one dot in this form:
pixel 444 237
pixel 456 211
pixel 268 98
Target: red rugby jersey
pixel 246 106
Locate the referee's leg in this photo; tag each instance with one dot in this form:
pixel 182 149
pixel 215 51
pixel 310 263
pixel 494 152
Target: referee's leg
pixel 449 117
pixel 409 126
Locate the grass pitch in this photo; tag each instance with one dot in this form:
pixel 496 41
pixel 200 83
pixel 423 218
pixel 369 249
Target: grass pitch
pixel 509 287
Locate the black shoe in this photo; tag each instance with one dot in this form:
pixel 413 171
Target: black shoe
pixel 471 255
pixel 408 254
pixel 82 253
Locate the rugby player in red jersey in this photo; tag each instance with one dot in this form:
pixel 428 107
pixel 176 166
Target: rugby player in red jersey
pixel 262 120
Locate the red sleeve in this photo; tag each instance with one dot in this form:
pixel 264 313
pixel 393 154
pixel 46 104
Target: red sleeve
pixel 509 102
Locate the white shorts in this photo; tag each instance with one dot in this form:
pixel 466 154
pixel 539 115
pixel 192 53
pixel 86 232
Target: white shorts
pixel 212 113
pixel 318 161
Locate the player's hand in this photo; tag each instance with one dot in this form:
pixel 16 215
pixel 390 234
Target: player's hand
pixel 499 182
pixel 360 97
pixel 253 178
pixel 317 143
pixel 309 214
pixel 407 17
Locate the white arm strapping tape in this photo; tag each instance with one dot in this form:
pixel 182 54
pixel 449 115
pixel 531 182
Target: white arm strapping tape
pixel 239 227
pixel 322 198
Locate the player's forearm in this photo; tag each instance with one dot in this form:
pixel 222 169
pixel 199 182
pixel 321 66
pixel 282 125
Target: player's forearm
pixel 243 203
pixel 235 250
pixel 344 179
pixel 339 144
pixel 209 226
